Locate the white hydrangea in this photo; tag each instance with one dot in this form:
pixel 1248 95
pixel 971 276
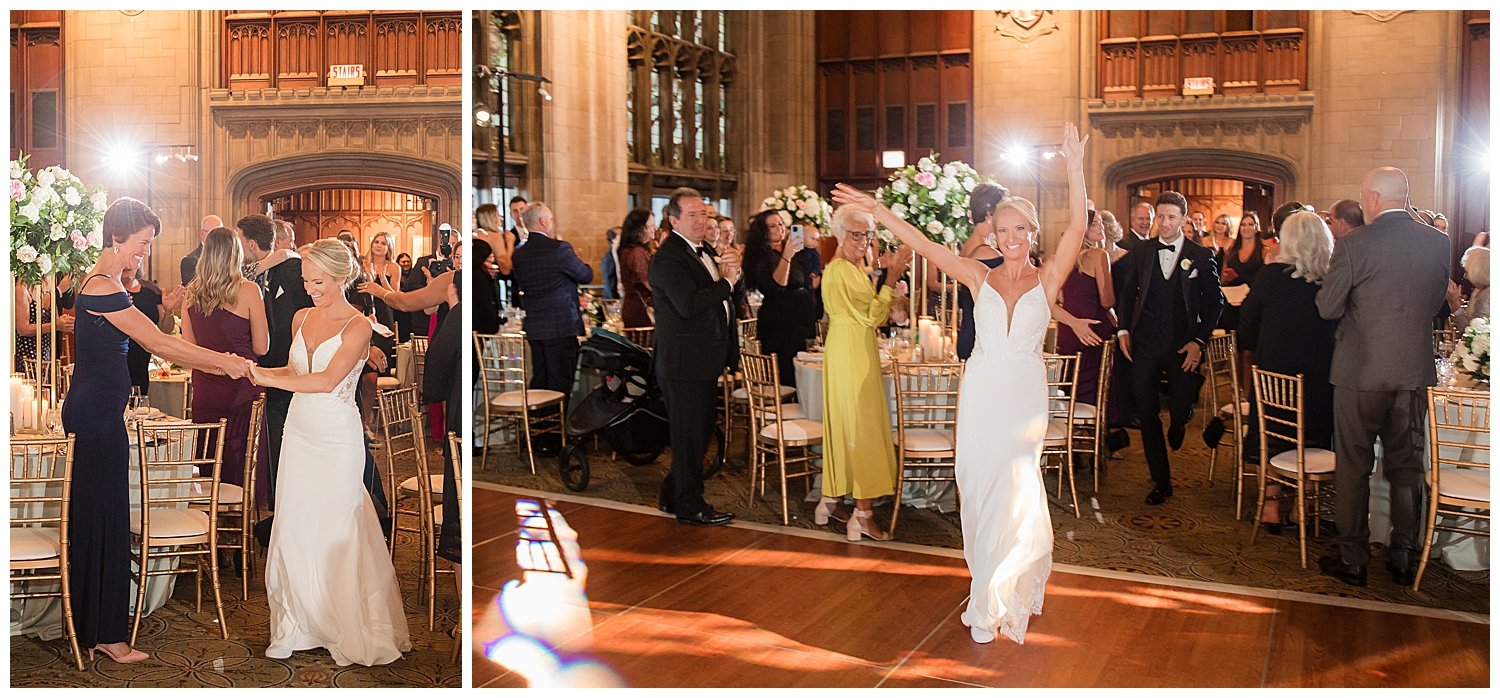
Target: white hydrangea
pixel 925 163
pixel 72 197
pixel 45 178
pixel 43 195
pixel 969 184
pixel 16 171
pixel 96 238
pixel 100 200
pixel 27 254
pixel 899 209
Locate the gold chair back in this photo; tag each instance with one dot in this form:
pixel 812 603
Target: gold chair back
pixel 644 337
pixel 1223 384
pixel 41 477
pixel 1279 406
pixel 926 424
pixel 1458 430
pixel 1058 446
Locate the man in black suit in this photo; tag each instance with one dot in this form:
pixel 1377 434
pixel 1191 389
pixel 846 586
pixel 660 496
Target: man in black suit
pixel 1383 280
pixel 189 266
pixel 1141 217
pixel 1170 304
pixel 695 340
pixel 283 293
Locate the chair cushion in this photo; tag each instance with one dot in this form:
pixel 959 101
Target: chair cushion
pixel 794 430
pixel 387 383
pixel 410 484
pixel 231 494
pixel 437 516
pixel 534 398
pixel 789 410
pixel 1461 483
pixel 785 390
pixel 928 440
pixel 1319 461
pixel 1057 431
pixel 1226 412
pixel 33 543
pixel 1083 411
pixel 172 523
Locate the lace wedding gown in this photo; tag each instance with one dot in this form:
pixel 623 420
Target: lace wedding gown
pixel 1002 420
pixel 329 580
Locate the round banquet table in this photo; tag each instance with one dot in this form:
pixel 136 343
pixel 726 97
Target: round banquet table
pixel 43 617
pixel 169 392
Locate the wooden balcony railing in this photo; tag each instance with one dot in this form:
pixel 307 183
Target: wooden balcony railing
pixel 1274 60
pixel 294 49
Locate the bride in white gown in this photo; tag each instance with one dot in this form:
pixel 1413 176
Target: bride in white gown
pixel 1002 402
pixel 329 580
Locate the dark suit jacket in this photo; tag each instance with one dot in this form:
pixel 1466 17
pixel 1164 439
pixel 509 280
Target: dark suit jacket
pixel 694 338
pixel 1200 288
pixel 189 266
pixel 547 274
pixel 284 296
pixel 1383 282
pixel 1129 241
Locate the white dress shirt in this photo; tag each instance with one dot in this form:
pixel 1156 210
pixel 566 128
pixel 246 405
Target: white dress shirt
pixel 1168 258
pixel 708 262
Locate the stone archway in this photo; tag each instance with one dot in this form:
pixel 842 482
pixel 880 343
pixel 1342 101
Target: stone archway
pixel 1212 163
pixel 248 186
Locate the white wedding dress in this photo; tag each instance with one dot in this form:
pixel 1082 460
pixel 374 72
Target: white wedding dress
pixel 1002 420
pixel 329 579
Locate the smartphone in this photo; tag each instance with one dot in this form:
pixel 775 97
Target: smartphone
pixel 797 232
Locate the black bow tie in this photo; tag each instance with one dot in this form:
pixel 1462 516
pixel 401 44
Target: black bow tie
pixel 703 251
pixel 1165 246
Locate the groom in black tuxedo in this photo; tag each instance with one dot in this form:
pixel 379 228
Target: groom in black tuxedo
pixel 1169 304
pixel 696 339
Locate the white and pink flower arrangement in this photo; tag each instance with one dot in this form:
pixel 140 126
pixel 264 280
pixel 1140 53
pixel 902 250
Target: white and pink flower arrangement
pixel 1471 356
pixel 798 204
pixel 933 198
pixel 56 223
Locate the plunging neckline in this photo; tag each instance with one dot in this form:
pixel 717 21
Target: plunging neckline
pixel 311 355
pixel 1010 311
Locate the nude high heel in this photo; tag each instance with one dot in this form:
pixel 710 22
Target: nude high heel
pixel 828 508
pixel 131 657
pixel 862 524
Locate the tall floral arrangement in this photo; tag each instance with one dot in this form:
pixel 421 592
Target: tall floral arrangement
pixel 1471 357
pixel 933 198
pixel 801 205
pixel 56 222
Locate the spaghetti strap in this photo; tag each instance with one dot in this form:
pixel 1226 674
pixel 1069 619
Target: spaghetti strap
pixel 346 322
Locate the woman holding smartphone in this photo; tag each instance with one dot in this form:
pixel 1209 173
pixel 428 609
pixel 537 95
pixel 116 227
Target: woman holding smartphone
pixel 789 309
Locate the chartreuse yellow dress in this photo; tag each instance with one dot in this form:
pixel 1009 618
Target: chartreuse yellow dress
pixel 858 456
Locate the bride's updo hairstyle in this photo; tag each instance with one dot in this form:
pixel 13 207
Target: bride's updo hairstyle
pixel 333 257
pixel 1023 207
pixel 126 217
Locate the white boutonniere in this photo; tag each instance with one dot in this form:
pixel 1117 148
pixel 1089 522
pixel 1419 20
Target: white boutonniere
pixel 1186 264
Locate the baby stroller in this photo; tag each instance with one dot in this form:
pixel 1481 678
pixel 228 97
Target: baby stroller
pixel 627 408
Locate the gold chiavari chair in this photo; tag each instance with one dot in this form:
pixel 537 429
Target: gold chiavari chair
pixel 239 508
pixel 505 363
pixel 178 463
pixel 1279 406
pixel 1224 390
pixel 1458 473
pixel 418 363
pixel 1445 338
pixel 416 496
pixel 776 438
pixel 50 381
pixel 644 337
pixel 1058 446
pixel 926 425
pixel 748 333
pixel 455 446
pixel 1091 420
pixel 41 476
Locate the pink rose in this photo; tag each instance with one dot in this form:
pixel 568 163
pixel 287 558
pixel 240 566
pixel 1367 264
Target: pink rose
pixel 79 241
pixel 17 190
pixel 926 179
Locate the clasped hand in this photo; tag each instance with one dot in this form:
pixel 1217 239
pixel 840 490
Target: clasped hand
pixel 729 265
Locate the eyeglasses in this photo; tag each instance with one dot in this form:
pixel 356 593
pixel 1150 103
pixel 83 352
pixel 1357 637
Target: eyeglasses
pixel 858 236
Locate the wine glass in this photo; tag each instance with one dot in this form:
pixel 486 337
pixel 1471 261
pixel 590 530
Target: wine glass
pixel 1444 370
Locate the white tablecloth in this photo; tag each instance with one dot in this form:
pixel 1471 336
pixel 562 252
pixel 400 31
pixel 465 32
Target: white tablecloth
pixel 169 394
pixel 43 617
pixel 1459 552
pixel 942 496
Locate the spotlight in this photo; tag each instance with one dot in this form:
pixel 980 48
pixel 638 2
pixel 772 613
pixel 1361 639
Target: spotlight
pixel 542 90
pixel 122 157
pixel 482 117
pixel 161 158
pixel 1049 155
pixel 1018 155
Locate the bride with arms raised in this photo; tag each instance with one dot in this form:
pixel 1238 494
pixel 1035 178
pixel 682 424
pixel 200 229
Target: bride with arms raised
pixel 329 580
pixel 1002 402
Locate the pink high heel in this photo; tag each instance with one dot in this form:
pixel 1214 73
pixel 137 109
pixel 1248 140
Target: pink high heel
pixel 828 508
pixel 131 657
pixel 862 524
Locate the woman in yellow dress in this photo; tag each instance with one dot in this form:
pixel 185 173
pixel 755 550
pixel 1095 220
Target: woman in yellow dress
pixel 858 457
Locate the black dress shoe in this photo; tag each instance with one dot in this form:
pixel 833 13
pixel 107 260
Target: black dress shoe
pixel 707 517
pixel 1158 495
pixel 666 508
pixel 1334 566
pixel 1175 434
pixel 1402 576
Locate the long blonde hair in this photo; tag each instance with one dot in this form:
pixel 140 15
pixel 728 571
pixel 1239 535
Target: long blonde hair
pixel 217 283
pixel 390 250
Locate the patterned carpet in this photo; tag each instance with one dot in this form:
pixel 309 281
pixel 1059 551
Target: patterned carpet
pixel 1194 536
pixel 187 650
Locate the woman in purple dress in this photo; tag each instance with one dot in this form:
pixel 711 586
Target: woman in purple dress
pixel 1088 294
pixel 224 312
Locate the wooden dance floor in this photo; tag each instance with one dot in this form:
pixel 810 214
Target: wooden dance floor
pixel 762 606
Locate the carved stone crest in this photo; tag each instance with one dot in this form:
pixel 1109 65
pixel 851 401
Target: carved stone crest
pixel 1025 25
pixel 1381 16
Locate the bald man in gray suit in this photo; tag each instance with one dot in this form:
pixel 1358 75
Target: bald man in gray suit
pixel 1382 284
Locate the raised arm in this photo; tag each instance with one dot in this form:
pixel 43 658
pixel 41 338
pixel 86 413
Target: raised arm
pixel 429 296
pixel 969 271
pixel 1054 274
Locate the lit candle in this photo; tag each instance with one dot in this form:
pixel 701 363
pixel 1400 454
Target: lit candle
pixel 16 382
pixel 25 407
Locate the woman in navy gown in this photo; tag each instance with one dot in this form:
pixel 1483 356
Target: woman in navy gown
pixel 94 411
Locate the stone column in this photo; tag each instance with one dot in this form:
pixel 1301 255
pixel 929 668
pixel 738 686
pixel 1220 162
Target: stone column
pixel 773 136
